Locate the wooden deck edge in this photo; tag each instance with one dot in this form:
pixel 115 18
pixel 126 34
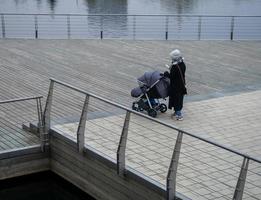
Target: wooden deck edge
pixel 23 161
pixel 20 151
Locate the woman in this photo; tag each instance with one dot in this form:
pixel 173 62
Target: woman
pixel 177 88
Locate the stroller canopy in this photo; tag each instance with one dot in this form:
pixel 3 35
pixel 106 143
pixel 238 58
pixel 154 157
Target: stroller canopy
pixel 150 78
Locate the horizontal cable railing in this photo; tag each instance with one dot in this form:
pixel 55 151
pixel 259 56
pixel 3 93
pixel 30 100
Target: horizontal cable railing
pixel 13 114
pixel 196 167
pixel 159 27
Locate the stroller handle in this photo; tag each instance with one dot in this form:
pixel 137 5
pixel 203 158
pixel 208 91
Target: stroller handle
pixel 141 83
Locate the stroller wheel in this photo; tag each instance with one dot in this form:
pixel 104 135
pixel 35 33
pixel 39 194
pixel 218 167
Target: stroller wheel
pixel 152 113
pixel 163 108
pixel 135 106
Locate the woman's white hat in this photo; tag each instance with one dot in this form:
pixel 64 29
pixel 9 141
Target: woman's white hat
pixel 175 54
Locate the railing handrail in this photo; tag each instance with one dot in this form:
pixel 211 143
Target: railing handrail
pixel 149 15
pixel 39 113
pixel 70 25
pixel 20 99
pixel 157 121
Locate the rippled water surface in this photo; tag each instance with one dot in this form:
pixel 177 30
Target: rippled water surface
pixel 214 7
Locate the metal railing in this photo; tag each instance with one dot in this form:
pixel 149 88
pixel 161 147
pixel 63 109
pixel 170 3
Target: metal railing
pixel 160 27
pixel 39 114
pixel 121 152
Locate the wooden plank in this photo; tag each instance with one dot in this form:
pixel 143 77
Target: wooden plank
pixel 33 166
pixel 22 162
pixel 20 151
pixel 105 83
pixel 15 136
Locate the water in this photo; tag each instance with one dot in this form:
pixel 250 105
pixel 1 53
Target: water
pixel 41 186
pixel 130 27
pixel 213 7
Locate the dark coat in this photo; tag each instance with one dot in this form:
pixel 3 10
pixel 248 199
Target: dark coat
pixel 177 86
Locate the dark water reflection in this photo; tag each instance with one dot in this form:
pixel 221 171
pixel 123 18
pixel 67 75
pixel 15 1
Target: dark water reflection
pixel 42 186
pixel 52 4
pixel 116 25
pixel 106 6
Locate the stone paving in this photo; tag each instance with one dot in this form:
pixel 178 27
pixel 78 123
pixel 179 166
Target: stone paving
pixel 205 171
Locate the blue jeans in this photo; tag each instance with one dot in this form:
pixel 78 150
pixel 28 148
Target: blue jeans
pixel 178 113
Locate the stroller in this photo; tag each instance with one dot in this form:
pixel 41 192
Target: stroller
pixel 152 87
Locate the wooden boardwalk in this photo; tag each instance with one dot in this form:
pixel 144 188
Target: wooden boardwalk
pixel 109 68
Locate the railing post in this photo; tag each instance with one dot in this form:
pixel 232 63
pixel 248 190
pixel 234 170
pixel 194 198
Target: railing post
pixel 43 137
pixel 199 27
pixel 173 168
pixel 36 26
pixel 167 27
pixel 122 146
pixel 238 194
pixel 48 106
pixel 68 27
pixel 232 28
pixel 134 27
pixel 101 23
pixel 81 126
pixel 3 25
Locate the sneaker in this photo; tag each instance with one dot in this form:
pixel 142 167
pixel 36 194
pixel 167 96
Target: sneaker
pixel 179 117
